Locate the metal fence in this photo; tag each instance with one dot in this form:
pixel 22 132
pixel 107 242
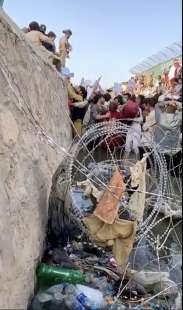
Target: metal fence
pixel 160 60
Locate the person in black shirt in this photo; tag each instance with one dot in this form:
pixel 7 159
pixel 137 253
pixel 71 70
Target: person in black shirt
pixel 49 47
pixel 43 29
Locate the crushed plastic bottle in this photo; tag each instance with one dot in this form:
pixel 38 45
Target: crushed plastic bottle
pixel 69 289
pixel 90 298
pixel 44 297
pixel 100 283
pixel 103 285
pixel 44 301
pixel 84 301
pixel 56 289
pixel 73 304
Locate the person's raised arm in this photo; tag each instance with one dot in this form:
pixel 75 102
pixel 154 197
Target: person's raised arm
pixel 101 117
pixel 72 94
pixel 94 87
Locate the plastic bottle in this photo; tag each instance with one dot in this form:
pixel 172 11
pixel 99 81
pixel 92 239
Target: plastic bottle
pixel 89 297
pixel 102 284
pixel 45 301
pixel 69 289
pixel 49 275
pixel 116 307
pixel 90 278
pixel 73 304
pixel 71 292
pixel 56 289
pixel 44 297
pixel 84 301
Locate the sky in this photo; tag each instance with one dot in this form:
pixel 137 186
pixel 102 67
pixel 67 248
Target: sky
pixel 109 36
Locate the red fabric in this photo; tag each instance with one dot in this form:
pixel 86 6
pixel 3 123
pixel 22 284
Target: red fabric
pixel 70 103
pixel 130 110
pixel 113 142
pixel 115 115
pixel 102 120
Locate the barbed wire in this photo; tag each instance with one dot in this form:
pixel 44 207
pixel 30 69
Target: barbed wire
pixel 161 191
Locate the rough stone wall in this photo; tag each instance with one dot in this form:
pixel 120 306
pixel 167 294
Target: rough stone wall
pixel 30 88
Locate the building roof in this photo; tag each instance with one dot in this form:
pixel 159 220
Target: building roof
pixel 168 53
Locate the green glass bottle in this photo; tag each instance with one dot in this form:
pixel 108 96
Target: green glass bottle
pixel 50 275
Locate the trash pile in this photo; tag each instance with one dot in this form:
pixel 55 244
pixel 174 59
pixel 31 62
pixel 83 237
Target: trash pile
pixel 82 276
pixel 79 297
pixel 82 282
pixel 92 244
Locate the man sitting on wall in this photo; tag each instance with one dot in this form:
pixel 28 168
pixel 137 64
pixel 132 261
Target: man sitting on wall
pixel 48 46
pixel 36 36
pixel 45 42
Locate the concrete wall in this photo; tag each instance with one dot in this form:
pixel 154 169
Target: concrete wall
pixel 30 88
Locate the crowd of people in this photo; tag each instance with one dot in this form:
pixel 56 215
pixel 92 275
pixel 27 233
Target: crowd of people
pixel 133 105
pixel 170 80
pixel 38 35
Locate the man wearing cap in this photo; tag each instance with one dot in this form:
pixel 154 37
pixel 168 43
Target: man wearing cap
pixel 36 36
pixel 64 46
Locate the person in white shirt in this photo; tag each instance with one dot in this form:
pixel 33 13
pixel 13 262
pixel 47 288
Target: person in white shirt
pixel 174 71
pixel 133 137
pixel 149 125
pixel 131 84
pixel 178 86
